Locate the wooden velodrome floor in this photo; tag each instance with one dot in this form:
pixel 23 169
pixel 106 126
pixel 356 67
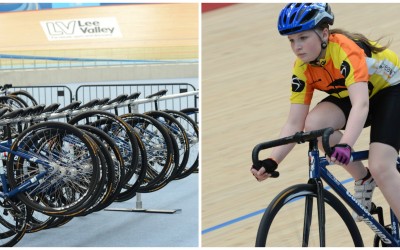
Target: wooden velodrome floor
pixel 246 70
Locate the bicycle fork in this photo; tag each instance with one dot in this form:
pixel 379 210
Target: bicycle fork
pixel 314 179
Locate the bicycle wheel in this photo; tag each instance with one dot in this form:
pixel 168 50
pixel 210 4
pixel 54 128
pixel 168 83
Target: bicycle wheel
pixel 132 184
pixel 119 131
pixel 114 160
pixel 192 131
pixel 106 179
pixel 192 113
pixel 12 103
pixel 158 146
pixel 39 221
pixel 13 224
pixel 129 144
pixel 179 134
pixel 25 96
pixel 284 223
pixel 69 169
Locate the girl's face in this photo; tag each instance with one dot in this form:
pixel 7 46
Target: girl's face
pixel 306 45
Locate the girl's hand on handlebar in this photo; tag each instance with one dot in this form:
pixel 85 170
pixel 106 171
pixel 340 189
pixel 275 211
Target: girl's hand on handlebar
pixel 260 175
pixel 341 154
pixel 266 169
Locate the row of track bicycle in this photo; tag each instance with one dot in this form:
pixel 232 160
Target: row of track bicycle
pixel 53 171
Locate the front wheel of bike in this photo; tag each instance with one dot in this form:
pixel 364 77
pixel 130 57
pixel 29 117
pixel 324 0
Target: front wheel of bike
pixel 291 219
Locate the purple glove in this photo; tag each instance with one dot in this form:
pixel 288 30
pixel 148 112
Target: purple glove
pixel 342 153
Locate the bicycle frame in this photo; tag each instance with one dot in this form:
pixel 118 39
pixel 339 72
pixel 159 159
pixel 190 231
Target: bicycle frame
pixel 318 170
pixel 5 148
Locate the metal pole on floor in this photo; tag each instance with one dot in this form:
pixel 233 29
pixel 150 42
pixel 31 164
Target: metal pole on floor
pixel 139 208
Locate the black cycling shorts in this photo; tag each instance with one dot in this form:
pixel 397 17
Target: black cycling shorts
pixel 383 115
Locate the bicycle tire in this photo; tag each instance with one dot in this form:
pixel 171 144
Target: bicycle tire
pixel 117 173
pixel 178 131
pixel 128 146
pixel 170 173
pixel 106 179
pixel 131 148
pixel 192 113
pixel 13 225
pixel 52 222
pixel 25 95
pixel 13 103
pixel 39 221
pixel 170 176
pixel 132 185
pixel 158 143
pixel 192 131
pixel 60 221
pixel 271 234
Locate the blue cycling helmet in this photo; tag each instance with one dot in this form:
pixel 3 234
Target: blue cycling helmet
pixel 298 17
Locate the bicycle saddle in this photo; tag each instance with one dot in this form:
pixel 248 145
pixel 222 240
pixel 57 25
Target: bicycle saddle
pixel 13 114
pixel 133 96
pixel 103 101
pixel 3 111
pixel 73 105
pixel 118 99
pixel 89 104
pixel 6 86
pixel 51 108
pixel 26 111
pixel 158 93
pixel 38 109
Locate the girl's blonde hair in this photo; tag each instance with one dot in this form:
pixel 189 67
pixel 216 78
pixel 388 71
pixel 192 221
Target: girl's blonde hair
pixel 357 37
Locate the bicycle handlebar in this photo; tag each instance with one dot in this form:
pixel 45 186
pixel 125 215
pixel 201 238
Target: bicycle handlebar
pixel 325 141
pixel 299 137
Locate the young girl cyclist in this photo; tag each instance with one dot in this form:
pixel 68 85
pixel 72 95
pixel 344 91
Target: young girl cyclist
pixel 362 79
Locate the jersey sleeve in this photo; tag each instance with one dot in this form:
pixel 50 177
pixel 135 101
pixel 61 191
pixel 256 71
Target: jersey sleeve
pixel 301 91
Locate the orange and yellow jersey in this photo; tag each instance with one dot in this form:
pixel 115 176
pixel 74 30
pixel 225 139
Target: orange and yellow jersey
pixel 345 63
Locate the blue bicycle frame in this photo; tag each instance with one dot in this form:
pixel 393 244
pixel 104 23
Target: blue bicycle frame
pixel 6 193
pixel 318 169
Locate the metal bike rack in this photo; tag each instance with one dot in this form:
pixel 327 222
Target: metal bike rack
pixel 139 204
pixel 71 113
pixel 134 103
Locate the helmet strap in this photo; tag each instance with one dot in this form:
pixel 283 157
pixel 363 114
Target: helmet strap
pixel 324 45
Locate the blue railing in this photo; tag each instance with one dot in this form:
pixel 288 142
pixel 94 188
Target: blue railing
pixel 8 62
pixel 9 7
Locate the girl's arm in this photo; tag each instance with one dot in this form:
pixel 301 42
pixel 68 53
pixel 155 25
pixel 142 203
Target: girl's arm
pixel 359 97
pixel 294 123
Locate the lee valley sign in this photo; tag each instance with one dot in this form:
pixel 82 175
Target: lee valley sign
pixel 85 28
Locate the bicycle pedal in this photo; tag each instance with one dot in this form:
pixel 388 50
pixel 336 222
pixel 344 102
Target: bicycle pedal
pixel 374 209
pixel 388 229
pixel 378 241
pixel 7 201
